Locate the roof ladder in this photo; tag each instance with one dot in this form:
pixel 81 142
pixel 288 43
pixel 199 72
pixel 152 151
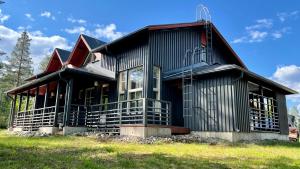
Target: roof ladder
pixel 187 84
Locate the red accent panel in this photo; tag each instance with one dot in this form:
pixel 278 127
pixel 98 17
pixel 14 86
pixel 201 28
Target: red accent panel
pixel 203 38
pixel 79 54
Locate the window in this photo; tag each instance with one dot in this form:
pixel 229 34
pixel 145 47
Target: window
pixel 122 85
pixel 135 87
pixel 263 109
pixel 156 82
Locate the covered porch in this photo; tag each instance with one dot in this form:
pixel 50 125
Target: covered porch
pixel 75 98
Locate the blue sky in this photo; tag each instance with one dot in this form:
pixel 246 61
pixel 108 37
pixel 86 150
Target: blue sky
pixel 265 34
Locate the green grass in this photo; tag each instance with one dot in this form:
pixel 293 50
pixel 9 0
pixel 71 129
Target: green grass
pixel 81 152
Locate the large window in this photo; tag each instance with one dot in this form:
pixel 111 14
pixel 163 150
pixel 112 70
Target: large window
pixel 135 80
pixel 263 109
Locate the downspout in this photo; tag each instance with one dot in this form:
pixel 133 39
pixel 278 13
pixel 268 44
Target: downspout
pixel 234 81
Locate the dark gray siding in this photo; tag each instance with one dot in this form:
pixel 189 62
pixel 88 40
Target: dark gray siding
pixel 282 111
pixel 242 104
pixel 132 57
pixel 214 105
pixel 168 47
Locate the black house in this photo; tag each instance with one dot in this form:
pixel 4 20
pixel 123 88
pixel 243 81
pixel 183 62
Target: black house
pixel 171 78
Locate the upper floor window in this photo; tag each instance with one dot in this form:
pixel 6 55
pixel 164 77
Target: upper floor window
pixel 136 77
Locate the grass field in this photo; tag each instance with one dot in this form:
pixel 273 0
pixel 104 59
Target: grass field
pixel 83 152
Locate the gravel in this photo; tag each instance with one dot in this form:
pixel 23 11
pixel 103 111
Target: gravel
pixel 29 134
pixel 189 138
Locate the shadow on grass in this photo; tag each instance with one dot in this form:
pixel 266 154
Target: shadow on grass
pixel 266 143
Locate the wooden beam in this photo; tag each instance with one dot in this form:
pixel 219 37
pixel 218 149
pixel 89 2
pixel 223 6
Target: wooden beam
pixel 13 110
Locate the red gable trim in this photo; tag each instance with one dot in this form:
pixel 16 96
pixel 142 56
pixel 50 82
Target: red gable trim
pixel 78 62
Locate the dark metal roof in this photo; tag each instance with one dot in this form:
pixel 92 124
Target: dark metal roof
pixel 63 54
pixel 92 42
pixel 205 70
pixel 174 26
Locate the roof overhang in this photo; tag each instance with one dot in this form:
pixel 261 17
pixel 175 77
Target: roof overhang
pixel 215 69
pixel 173 26
pixel 65 72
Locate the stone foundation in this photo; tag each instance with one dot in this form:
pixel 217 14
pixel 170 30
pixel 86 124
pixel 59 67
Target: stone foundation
pixel 48 130
pixel 236 136
pixel 142 131
pixel 17 129
pixel 72 130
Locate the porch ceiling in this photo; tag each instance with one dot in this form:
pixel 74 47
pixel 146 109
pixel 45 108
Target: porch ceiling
pixel 66 72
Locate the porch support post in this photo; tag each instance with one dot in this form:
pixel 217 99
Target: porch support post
pixel 27 100
pixel 68 101
pixel 57 98
pixel 20 102
pixel 36 97
pixel 12 111
pixel 45 103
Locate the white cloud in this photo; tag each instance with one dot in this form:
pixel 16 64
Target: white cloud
pixel 41 45
pixel 257 36
pixel 3 17
pixel 47 14
pixel 108 32
pixel 79 21
pixel 76 30
pixel 28 15
pixel 290 77
pixel 261 23
pixel 279 33
pixel 283 16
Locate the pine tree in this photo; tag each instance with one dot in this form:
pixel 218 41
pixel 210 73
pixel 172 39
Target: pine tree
pixel 19 65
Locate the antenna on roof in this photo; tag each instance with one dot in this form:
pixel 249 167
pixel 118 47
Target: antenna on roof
pixel 202 14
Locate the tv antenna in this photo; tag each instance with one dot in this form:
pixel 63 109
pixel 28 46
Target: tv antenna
pixel 202 13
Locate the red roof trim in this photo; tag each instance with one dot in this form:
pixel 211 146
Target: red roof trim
pixel 75 47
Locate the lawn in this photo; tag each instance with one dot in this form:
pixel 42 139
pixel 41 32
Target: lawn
pixel 83 152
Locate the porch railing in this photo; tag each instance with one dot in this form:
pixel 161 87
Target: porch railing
pixel 108 117
pixel 33 119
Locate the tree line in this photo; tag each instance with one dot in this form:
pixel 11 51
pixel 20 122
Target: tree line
pixel 17 67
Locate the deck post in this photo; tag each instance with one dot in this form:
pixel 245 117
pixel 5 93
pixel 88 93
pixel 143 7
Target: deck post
pixel 27 100
pixel 145 109
pixel 20 102
pixel 36 97
pixel 57 99
pixel 45 103
pixel 12 111
pixel 68 101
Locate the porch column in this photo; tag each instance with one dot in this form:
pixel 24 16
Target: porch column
pixel 12 111
pixel 20 102
pixel 68 101
pixel 57 98
pixel 45 102
pixel 36 96
pixel 27 100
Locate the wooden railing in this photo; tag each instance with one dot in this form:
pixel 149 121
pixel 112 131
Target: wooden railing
pixel 33 119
